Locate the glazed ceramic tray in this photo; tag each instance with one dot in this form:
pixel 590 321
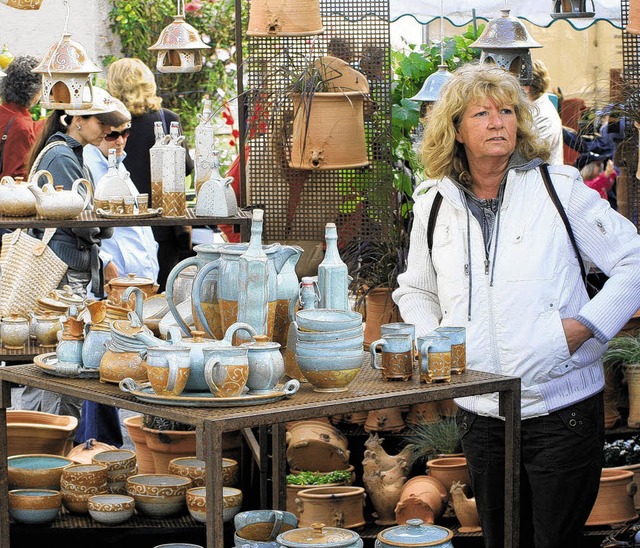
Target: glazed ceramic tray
pixel 146 215
pixel 145 393
pixel 49 364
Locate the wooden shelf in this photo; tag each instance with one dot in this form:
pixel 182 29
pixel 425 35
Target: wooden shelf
pixel 90 218
pixel 31 349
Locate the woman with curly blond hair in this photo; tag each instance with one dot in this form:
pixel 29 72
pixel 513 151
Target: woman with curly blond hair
pixel 496 259
pixel 131 81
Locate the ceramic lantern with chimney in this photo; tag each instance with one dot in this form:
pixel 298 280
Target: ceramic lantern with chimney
pixel 179 46
pixel 506 42
pixel 66 73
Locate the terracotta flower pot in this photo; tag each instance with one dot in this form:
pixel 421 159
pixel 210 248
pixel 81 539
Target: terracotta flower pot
pixel 166 445
pixel 284 18
pixel 336 506
pixel 144 457
pixel 30 432
pixel 615 498
pixel 384 420
pixel 448 470
pixel 422 497
pixel 635 468
pixel 317 447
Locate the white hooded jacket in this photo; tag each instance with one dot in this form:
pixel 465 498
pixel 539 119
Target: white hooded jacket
pixel 512 298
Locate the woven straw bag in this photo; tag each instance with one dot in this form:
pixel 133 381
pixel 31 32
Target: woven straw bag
pixel 29 270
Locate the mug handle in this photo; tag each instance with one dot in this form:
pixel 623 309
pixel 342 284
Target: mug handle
pixel 172 381
pixel 374 356
pixel 278 517
pixel 211 364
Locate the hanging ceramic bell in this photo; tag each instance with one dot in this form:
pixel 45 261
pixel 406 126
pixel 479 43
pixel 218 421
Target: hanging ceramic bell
pixel 179 46
pixel 66 76
pixel 174 200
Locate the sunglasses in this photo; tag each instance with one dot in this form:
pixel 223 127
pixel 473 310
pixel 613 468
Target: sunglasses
pixel 115 134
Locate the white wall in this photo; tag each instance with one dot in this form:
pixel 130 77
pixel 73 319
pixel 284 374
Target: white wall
pixel 33 32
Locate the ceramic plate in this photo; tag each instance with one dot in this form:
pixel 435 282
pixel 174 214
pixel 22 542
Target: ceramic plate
pixel 49 362
pixel 145 393
pixel 148 214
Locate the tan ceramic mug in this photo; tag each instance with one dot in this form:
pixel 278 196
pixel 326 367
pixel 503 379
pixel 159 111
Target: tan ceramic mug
pixel 227 371
pixel 168 369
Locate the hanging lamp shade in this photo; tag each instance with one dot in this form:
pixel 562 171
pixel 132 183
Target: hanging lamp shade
pixel 179 47
pixel 66 72
pixel 23 4
pixel 432 87
pixel 572 9
pixel 505 42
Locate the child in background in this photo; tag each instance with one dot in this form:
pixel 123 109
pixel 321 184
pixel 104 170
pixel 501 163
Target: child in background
pixel 599 180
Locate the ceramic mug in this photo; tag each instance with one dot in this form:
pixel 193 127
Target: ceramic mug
pixel 458 336
pixel 129 204
pixel 168 369
pixel 397 356
pixel 116 204
pixel 226 373
pixel 435 358
pixel 400 327
pixel 143 204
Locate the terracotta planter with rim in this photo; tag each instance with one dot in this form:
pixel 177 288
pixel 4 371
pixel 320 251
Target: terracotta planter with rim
pixel 336 506
pixel 30 432
pixel 614 503
pixel 422 497
pixel 635 468
pixel 284 18
pixel 144 457
pixel 166 445
pixel 448 470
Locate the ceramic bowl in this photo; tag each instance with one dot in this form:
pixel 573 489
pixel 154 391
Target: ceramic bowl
pixel 120 463
pixel 177 545
pixel 261 527
pixel 314 336
pixel 326 319
pixel 331 372
pixel 197 503
pixel 353 343
pixel 36 432
pixel 326 351
pixel 111 509
pixel 189 467
pixel 158 495
pixel 36 471
pixel 34 506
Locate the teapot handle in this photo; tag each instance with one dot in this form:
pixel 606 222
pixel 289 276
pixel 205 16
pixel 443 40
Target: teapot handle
pixel 88 199
pixel 41 173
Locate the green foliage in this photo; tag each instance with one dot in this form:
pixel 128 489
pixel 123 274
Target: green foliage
pixel 623 349
pixel 411 69
pixel 317 478
pixel 139 25
pixel 434 438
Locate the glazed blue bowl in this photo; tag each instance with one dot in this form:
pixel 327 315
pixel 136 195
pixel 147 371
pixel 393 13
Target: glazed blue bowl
pixel 330 372
pixel 34 506
pixel 327 319
pixel 40 471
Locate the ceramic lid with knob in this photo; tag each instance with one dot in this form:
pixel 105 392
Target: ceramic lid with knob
pixel 415 534
pixel 319 536
pixel 131 279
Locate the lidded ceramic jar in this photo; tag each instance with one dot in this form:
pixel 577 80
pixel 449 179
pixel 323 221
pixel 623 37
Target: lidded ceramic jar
pixel 46 329
pixel 266 364
pixel 116 287
pixel 415 534
pixel 320 536
pixel 14 332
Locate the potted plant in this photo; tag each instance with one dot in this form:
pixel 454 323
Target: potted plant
pixel 624 353
pixel 433 439
pixel 298 480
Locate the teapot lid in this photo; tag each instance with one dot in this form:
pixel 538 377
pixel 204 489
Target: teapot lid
pixel 66 295
pixel 53 302
pixel 318 536
pixel 131 279
pixel 415 533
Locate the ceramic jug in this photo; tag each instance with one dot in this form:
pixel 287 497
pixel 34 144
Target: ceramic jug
pixel 204 137
pixel 174 200
pixel 57 203
pixel 286 294
pixel 266 365
pixel 212 198
pixel 230 287
pixel 333 277
pixel 207 297
pixel 155 157
pixel 16 200
pixel 199 346
pixel 97 333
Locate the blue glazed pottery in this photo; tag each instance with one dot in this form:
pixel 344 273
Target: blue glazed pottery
pixel 319 536
pixel 415 534
pixel 259 528
pixel 34 506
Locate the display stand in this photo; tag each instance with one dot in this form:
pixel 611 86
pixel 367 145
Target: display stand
pixel 367 392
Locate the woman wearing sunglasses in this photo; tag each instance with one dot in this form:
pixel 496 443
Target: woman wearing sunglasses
pixel 131 248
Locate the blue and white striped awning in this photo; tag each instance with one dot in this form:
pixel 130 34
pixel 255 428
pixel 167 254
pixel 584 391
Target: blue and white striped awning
pixel 537 12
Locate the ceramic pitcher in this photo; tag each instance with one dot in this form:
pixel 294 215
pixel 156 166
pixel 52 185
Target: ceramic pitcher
pixel 206 298
pixel 286 294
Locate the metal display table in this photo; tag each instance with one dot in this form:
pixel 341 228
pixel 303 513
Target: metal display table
pixel 367 392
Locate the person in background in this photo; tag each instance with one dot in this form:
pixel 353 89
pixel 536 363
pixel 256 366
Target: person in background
pixel 131 249
pixel 502 266
pixel 599 180
pixel 19 91
pixel 545 117
pixel 131 81
pixel 58 150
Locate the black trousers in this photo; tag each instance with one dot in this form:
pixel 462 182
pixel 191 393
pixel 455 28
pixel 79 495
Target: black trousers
pixel 562 457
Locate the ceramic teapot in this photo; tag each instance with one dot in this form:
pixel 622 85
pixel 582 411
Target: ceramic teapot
pixel 53 202
pixel 16 200
pixel 117 287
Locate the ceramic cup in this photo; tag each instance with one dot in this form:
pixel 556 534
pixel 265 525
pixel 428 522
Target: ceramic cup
pixel 397 355
pixel 143 204
pixel 226 373
pixel 129 204
pixel 168 369
pixel 435 358
pixel 400 327
pixel 458 336
pixel 116 204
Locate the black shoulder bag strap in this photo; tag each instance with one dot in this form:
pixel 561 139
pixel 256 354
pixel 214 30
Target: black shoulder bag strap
pixel 556 202
pixel 3 140
pixel 433 215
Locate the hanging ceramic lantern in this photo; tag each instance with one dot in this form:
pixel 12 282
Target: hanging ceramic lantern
pixel 179 46
pixel 66 72
pixel 505 42
pixel 566 9
pixel 432 86
pixel 23 4
pixel 284 18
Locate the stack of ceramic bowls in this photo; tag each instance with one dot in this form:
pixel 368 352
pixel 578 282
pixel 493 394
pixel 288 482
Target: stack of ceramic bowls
pixel 120 463
pixel 329 347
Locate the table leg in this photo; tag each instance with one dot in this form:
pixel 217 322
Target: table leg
pixel 212 442
pixel 5 401
pixel 279 469
pixel 510 410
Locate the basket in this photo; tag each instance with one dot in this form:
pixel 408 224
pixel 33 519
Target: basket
pixel 30 270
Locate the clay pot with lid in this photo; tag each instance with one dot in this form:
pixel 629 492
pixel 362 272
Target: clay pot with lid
pixel 266 364
pixel 116 365
pixel 46 329
pixel 318 535
pixel 116 287
pixel 415 534
pixel 316 446
pixel 16 200
pixel 14 331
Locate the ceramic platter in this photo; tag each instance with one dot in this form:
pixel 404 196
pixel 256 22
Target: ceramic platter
pixel 48 362
pixel 147 215
pixel 206 399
